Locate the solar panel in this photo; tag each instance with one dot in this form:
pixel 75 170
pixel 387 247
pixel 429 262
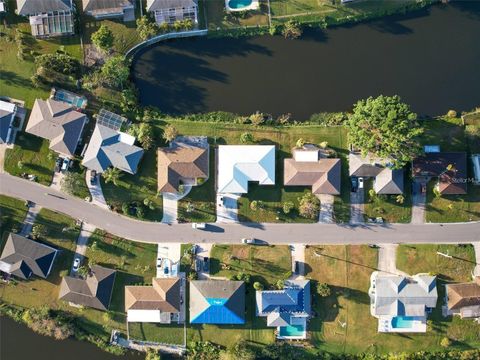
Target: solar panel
pixel 110 120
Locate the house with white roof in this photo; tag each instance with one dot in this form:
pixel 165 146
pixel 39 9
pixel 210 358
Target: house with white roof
pixel 401 303
pixel 239 164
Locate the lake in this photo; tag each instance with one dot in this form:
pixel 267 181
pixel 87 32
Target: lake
pixel 431 58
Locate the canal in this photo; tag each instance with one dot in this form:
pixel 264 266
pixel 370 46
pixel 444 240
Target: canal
pixel 431 58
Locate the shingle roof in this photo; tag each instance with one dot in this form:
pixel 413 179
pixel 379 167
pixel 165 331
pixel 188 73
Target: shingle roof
pixel 178 162
pixel 32 7
pixel 239 164
pixel 153 5
pixel 463 295
pixel 108 147
pixel 217 302
pixel 389 181
pixel 436 164
pixel 323 175
pixel 23 257
pixel 106 6
pixel 95 291
pixel 163 295
pixel 58 122
pixel 401 296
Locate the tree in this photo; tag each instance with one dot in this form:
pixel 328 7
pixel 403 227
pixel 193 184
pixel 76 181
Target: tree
pixel 39 231
pixel 83 271
pixel 206 350
pixel 257 119
pixel 246 138
pixel 144 133
pixel 292 30
pixel 445 342
pixel 243 351
pixel 125 208
pixel 288 206
pixel 152 354
pixel 61 63
pixel 385 127
pixel 241 276
pixel 170 133
pixel 140 212
pixel 280 284
pixel 400 199
pixel 112 175
pixel 323 144
pixel 149 203
pixel 300 143
pixel 146 28
pixel 323 290
pixel 103 38
pixel 115 71
pixel 258 286
pixel 254 205
pixel 309 206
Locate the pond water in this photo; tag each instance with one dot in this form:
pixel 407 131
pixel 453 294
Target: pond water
pixel 431 58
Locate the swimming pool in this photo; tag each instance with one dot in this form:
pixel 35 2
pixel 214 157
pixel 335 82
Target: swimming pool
pixel 239 4
pixel 292 330
pixel 403 322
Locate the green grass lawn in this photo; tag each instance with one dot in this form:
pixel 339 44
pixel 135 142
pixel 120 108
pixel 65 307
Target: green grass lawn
pixel 347 270
pixel 12 214
pixel 414 259
pixel 34 156
pixel 386 206
pixel 79 172
pixel 216 15
pixel 199 204
pixel 160 333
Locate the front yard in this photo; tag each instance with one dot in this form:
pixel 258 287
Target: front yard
pixel 12 214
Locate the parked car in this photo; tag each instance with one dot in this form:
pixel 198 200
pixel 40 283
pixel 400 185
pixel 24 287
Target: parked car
pixel 206 265
pixel 159 262
pixel 194 249
pixel 248 241
pixel 198 265
pixel 93 177
pixel 354 183
pixel 65 164
pixel 76 264
pixel 58 164
pixel 199 226
pixel 360 183
pixel 296 270
pixel 166 267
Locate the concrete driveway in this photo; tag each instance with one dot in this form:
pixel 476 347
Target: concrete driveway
pixel 82 243
pixel 326 208
pixel 387 259
pixel 32 213
pixel 95 190
pixel 419 200
pixel 203 251
pixel 357 200
pixel 298 254
pixel 227 208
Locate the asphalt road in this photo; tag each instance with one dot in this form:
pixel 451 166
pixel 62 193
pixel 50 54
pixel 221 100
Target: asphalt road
pixel 233 233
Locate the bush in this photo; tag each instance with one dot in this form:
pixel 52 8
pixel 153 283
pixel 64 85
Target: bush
pixel 323 290
pixel 292 30
pixel 170 133
pixel 146 28
pixel 288 206
pixel 61 63
pixel 246 138
pixel 103 38
pixel 258 286
pixel 445 342
pixel 309 206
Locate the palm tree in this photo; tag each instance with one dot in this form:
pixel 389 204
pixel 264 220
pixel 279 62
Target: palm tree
pixel 112 175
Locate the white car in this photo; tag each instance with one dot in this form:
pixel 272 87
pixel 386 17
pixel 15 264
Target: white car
pixel 360 183
pixel 76 264
pixel 200 226
pixel 159 262
pixel 248 241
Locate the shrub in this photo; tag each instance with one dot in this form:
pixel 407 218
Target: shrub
pixel 445 342
pixel 103 38
pixel 246 137
pixel 292 30
pixel 323 290
pixel 257 118
pixel 254 205
pixel 61 63
pixel 288 206
pixel 300 143
pixel 309 206
pixel 146 28
pixel 258 286
pixel 170 133
pixel 451 114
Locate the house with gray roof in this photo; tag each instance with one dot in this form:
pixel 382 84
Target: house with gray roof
pixel 169 11
pixel 387 180
pixel 288 310
pixel 94 291
pixel 112 148
pixel 218 302
pixel 402 303
pixel 22 257
pixel 48 17
pixel 57 122
pixel 8 112
pixel 110 9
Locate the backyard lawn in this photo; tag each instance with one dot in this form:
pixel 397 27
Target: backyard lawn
pixel 31 155
pixel 343 322
pixel 12 214
pixel 386 206
pixel 160 333
pixel 217 17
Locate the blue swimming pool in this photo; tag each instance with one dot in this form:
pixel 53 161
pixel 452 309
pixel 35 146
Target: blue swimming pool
pixel 292 330
pixel 403 322
pixel 239 4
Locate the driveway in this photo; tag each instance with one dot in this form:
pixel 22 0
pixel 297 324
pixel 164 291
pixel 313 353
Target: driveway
pixel 96 191
pixel 326 208
pixel 203 251
pixel 30 219
pixel 3 150
pixel 357 200
pixel 419 200
pixel 57 180
pixel 387 259
pixel 170 251
pixel 82 243
pixel 476 270
pixel 151 232
pixel 170 205
pixel 227 208
pixel 298 254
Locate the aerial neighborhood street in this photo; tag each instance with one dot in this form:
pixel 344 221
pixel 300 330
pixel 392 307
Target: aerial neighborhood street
pixel 217 180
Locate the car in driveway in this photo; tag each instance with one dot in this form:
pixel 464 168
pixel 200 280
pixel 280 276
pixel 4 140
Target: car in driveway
pixel 159 263
pixel 199 226
pixel 76 264
pixel 206 264
pixel 65 165
pixel 93 177
pixel 360 183
pixel 58 164
pixel 354 183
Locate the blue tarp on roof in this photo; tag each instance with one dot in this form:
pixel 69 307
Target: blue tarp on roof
pixel 217 313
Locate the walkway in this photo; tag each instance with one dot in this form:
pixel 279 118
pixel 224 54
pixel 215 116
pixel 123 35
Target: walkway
pixel 357 200
pixel 419 200
pixel 326 208
pixel 3 150
pixel 387 259
pixel 32 213
pixel 57 180
pixel 227 208
pixel 152 232
pixel 96 191
pixel 82 242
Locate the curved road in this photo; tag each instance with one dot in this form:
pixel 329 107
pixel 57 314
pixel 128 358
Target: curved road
pixel 232 233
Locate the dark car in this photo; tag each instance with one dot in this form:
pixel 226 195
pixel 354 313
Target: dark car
pixel 93 177
pixel 297 267
pixel 354 182
pixel 206 265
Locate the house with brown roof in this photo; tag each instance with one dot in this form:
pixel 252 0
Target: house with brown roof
pixel 159 303
pixel 307 168
pixel 449 167
pixel 185 161
pixel 464 299
pixel 94 291
pixel 57 122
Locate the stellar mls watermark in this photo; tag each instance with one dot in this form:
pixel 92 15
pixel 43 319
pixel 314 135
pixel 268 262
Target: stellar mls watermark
pixel 463 180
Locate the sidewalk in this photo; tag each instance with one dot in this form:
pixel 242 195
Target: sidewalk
pixel 96 191
pixel 30 219
pixel 298 254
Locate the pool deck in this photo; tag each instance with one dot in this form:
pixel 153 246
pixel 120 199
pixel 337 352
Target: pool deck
pixel 418 326
pixel 296 321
